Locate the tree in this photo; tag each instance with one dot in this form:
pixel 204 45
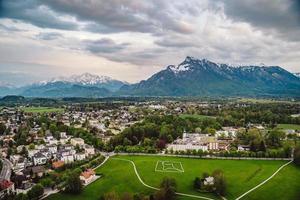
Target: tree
pixel 274 137
pixel 111 196
pixel 21 196
pixel 197 183
pixel 168 189
pixel 73 183
pixel 219 182
pixel 127 196
pixel 2 128
pixel 262 146
pixel 31 146
pixel 161 144
pixel 297 155
pixel 35 192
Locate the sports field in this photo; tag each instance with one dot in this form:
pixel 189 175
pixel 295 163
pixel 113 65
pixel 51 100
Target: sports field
pixel 242 175
pixel 41 109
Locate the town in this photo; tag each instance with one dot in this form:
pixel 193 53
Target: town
pixel 45 150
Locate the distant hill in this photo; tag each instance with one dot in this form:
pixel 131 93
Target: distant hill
pixel 201 77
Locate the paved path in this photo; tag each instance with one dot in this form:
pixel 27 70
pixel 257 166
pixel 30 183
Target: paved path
pixel 6 169
pixel 104 161
pixel 154 188
pixel 262 183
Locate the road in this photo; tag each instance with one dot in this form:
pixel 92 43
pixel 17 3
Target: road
pixel 6 169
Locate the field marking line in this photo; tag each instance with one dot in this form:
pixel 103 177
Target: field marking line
pixel 154 188
pixel 262 183
pixel 156 165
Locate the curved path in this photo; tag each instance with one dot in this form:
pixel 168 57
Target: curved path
pixel 202 197
pixel 154 188
pixel 262 183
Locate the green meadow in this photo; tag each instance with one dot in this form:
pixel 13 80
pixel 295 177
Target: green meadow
pixel 241 175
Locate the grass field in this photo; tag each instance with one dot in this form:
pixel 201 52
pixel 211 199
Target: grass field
pixel 195 116
pixel 41 109
pixel 241 176
pixel 289 126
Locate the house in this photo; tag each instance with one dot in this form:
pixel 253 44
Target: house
pixel 39 159
pixel 89 150
pixel 87 176
pixel 37 171
pixel 58 164
pixel 209 181
pixel 77 141
pixel 66 156
pixel 52 149
pixel 79 156
pixel 19 162
pixel 63 134
pixel 243 147
pixel 48 137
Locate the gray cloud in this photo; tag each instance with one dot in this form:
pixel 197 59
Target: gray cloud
pixel 151 16
pixel 160 32
pixel 33 12
pixel 281 16
pixel 10 28
pixel 103 46
pixel 49 36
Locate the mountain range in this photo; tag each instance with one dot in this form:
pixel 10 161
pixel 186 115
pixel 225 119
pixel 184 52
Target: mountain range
pixel 192 77
pixel 201 77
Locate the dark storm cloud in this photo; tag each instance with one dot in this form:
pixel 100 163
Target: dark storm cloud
pixel 281 16
pixel 33 12
pixel 103 46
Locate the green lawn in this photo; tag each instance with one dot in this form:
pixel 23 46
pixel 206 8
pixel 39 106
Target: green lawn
pixel 41 109
pixel 285 185
pixel 289 126
pixel 195 116
pixel 241 176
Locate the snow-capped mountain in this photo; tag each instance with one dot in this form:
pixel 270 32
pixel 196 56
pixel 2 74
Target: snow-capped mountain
pixel 84 85
pixel 84 79
pixel 201 77
pixel 88 79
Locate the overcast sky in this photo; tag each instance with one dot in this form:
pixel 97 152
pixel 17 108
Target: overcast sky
pixel 132 39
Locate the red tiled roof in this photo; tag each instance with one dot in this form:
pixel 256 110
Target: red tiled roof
pixel 88 173
pixel 58 164
pixel 4 184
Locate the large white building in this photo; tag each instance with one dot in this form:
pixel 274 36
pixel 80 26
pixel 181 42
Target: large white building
pixel 194 141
